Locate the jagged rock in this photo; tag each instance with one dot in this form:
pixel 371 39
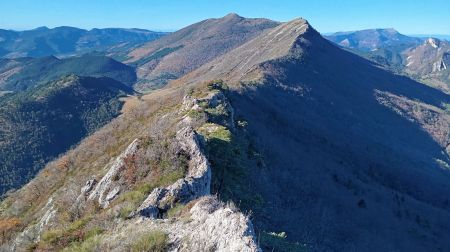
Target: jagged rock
pixel 112 194
pixel 213 99
pixel 33 233
pixel 188 103
pixel 210 225
pixel 107 189
pixel 217 226
pixel 217 98
pixel 196 184
pixel 88 186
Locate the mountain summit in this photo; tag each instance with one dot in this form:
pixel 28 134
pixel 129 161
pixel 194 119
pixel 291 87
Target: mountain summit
pixel 187 49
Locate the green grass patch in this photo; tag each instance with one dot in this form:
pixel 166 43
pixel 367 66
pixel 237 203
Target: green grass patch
pixel 132 199
pixel 176 211
pixel 278 242
pixel 89 245
pixel 213 132
pixel 75 233
pixel 217 85
pixel 196 114
pixel 219 110
pixel 155 241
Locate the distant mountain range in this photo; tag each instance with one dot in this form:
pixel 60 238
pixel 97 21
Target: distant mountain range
pixel 438 36
pixel 66 41
pixel 424 59
pixel 372 39
pixel 22 73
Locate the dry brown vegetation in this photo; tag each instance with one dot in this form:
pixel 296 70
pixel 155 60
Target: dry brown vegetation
pixel 8 226
pixel 67 174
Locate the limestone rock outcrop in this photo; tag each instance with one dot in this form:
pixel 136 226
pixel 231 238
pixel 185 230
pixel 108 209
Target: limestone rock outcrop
pixel 107 189
pixel 196 184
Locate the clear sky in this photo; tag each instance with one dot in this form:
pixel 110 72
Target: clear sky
pixel 407 16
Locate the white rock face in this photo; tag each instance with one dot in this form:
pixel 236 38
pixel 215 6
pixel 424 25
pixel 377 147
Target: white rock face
pixel 218 227
pixel 439 66
pixel 107 189
pixel 210 226
pixel 88 186
pixel 196 184
pixel 432 42
pixel 33 233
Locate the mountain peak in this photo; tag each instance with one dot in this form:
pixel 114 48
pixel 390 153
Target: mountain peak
pixel 389 30
pixel 275 43
pixel 41 28
pixel 232 15
pixel 299 22
pixel 433 42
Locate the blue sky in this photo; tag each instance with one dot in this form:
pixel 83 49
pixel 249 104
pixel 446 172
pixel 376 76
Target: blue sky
pixel 409 17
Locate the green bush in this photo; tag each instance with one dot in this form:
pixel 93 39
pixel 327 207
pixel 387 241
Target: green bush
pixel 278 242
pixel 89 245
pixel 155 241
pixel 175 211
pixel 215 132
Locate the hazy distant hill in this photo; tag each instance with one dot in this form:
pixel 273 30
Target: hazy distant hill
pixel 425 59
pixel 372 39
pixel 69 40
pixel 22 73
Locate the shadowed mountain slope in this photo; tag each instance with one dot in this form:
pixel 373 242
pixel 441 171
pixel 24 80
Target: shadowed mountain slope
pixel 355 158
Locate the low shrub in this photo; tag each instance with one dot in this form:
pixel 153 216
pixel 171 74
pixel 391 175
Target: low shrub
pixel 155 241
pixel 278 242
pixel 89 245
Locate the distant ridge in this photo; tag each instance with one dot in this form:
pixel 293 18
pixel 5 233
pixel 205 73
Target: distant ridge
pixel 66 40
pixel 371 39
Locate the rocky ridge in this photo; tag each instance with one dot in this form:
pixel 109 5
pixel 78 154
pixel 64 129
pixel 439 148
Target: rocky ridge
pixel 431 57
pixel 208 223
pixel 214 225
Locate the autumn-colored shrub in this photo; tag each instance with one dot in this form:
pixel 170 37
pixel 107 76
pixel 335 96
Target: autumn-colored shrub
pixel 7 226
